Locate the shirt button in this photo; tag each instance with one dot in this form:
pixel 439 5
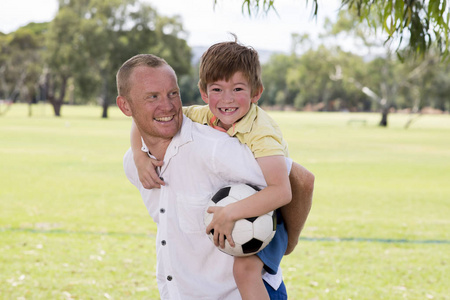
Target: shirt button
pixel 169 278
pixel 162 210
pixel 163 242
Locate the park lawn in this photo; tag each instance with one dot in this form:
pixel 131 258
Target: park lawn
pixel 73 227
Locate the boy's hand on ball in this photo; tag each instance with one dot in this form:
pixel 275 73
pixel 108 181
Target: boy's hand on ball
pixel 222 225
pixel 224 214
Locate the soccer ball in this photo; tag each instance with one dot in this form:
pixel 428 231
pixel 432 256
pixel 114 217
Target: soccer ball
pixel 250 235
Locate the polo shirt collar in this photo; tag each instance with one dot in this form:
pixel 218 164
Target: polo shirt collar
pixel 245 124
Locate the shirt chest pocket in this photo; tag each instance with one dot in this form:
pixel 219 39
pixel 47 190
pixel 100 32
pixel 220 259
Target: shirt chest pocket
pixel 190 211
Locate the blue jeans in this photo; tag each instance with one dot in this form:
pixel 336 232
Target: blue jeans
pixel 279 294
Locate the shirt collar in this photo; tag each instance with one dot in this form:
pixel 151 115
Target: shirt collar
pixel 183 136
pixel 245 124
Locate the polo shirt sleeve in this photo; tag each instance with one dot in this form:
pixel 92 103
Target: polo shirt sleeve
pixel 266 141
pixel 197 113
pixel 261 134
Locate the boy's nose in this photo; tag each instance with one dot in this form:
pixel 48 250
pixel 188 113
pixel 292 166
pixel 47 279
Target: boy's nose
pixel 228 97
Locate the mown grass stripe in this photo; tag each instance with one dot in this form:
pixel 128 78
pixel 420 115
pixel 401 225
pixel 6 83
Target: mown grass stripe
pixel 374 240
pixel 308 239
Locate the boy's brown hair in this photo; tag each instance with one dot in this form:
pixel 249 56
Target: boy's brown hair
pixel 222 60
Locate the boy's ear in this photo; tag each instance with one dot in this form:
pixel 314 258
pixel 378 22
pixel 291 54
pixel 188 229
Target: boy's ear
pixel 258 94
pixel 204 96
pixel 122 103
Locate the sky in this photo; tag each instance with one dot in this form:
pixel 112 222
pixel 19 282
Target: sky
pixel 204 23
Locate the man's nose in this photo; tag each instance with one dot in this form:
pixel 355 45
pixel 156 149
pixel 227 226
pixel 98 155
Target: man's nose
pixel 167 103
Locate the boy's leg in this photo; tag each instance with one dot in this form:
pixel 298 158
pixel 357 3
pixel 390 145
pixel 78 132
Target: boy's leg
pixel 296 212
pixel 280 294
pixel 247 274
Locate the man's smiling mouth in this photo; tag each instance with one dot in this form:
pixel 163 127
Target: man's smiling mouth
pixel 164 119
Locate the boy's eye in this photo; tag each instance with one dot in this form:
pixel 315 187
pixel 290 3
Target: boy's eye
pixel 215 89
pixel 238 89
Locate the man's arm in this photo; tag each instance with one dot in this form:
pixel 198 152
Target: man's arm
pixel 296 212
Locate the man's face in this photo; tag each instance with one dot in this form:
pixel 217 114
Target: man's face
pixel 155 102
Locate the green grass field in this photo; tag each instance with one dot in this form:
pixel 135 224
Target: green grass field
pixel 73 227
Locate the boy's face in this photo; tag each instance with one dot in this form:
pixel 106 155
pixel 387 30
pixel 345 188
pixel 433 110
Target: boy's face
pixel 230 100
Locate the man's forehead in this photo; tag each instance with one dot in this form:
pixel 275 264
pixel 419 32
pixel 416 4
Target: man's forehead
pixel 159 76
pixel 153 70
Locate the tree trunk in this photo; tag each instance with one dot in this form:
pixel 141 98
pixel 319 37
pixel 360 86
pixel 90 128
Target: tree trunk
pixel 105 108
pixel 105 98
pixel 57 103
pixel 57 108
pixel 30 109
pixel 384 116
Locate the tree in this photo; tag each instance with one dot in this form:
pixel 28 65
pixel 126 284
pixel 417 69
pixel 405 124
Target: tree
pixel 21 63
pixel 421 23
pixel 310 80
pixel 274 76
pixel 63 56
pixel 389 81
pixel 90 39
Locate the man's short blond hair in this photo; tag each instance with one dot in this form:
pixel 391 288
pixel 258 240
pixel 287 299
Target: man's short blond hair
pixel 124 73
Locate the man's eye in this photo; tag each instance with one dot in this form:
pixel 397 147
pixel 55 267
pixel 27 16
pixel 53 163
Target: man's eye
pixel 174 94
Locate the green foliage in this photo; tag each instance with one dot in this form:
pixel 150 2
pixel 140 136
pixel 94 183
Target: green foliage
pixel 89 40
pixel 72 226
pixel 75 57
pixel 21 62
pixel 274 76
pixel 188 84
pixel 306 80
pixel 330 79
pixel 422 23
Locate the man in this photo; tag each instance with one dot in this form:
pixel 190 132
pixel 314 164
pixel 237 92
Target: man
pixel 197 161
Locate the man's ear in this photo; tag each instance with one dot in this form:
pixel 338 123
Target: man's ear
pixel 122 103
pixel 258 94
pixel 204 96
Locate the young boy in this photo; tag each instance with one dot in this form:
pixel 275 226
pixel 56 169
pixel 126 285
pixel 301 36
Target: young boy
pixel 230 83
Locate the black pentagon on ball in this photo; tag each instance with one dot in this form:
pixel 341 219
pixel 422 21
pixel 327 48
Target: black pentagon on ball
pixel 252 219
pixel 252 246
pixel 222 193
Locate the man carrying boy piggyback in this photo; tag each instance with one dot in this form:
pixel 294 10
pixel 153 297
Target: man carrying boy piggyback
pixel 230 83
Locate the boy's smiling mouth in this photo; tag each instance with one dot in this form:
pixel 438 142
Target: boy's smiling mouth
pixel 228 109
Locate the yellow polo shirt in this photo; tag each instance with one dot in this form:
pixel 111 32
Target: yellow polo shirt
pixel 256 129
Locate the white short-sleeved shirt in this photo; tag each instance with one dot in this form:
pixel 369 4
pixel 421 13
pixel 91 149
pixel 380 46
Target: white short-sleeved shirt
pixel 198 162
